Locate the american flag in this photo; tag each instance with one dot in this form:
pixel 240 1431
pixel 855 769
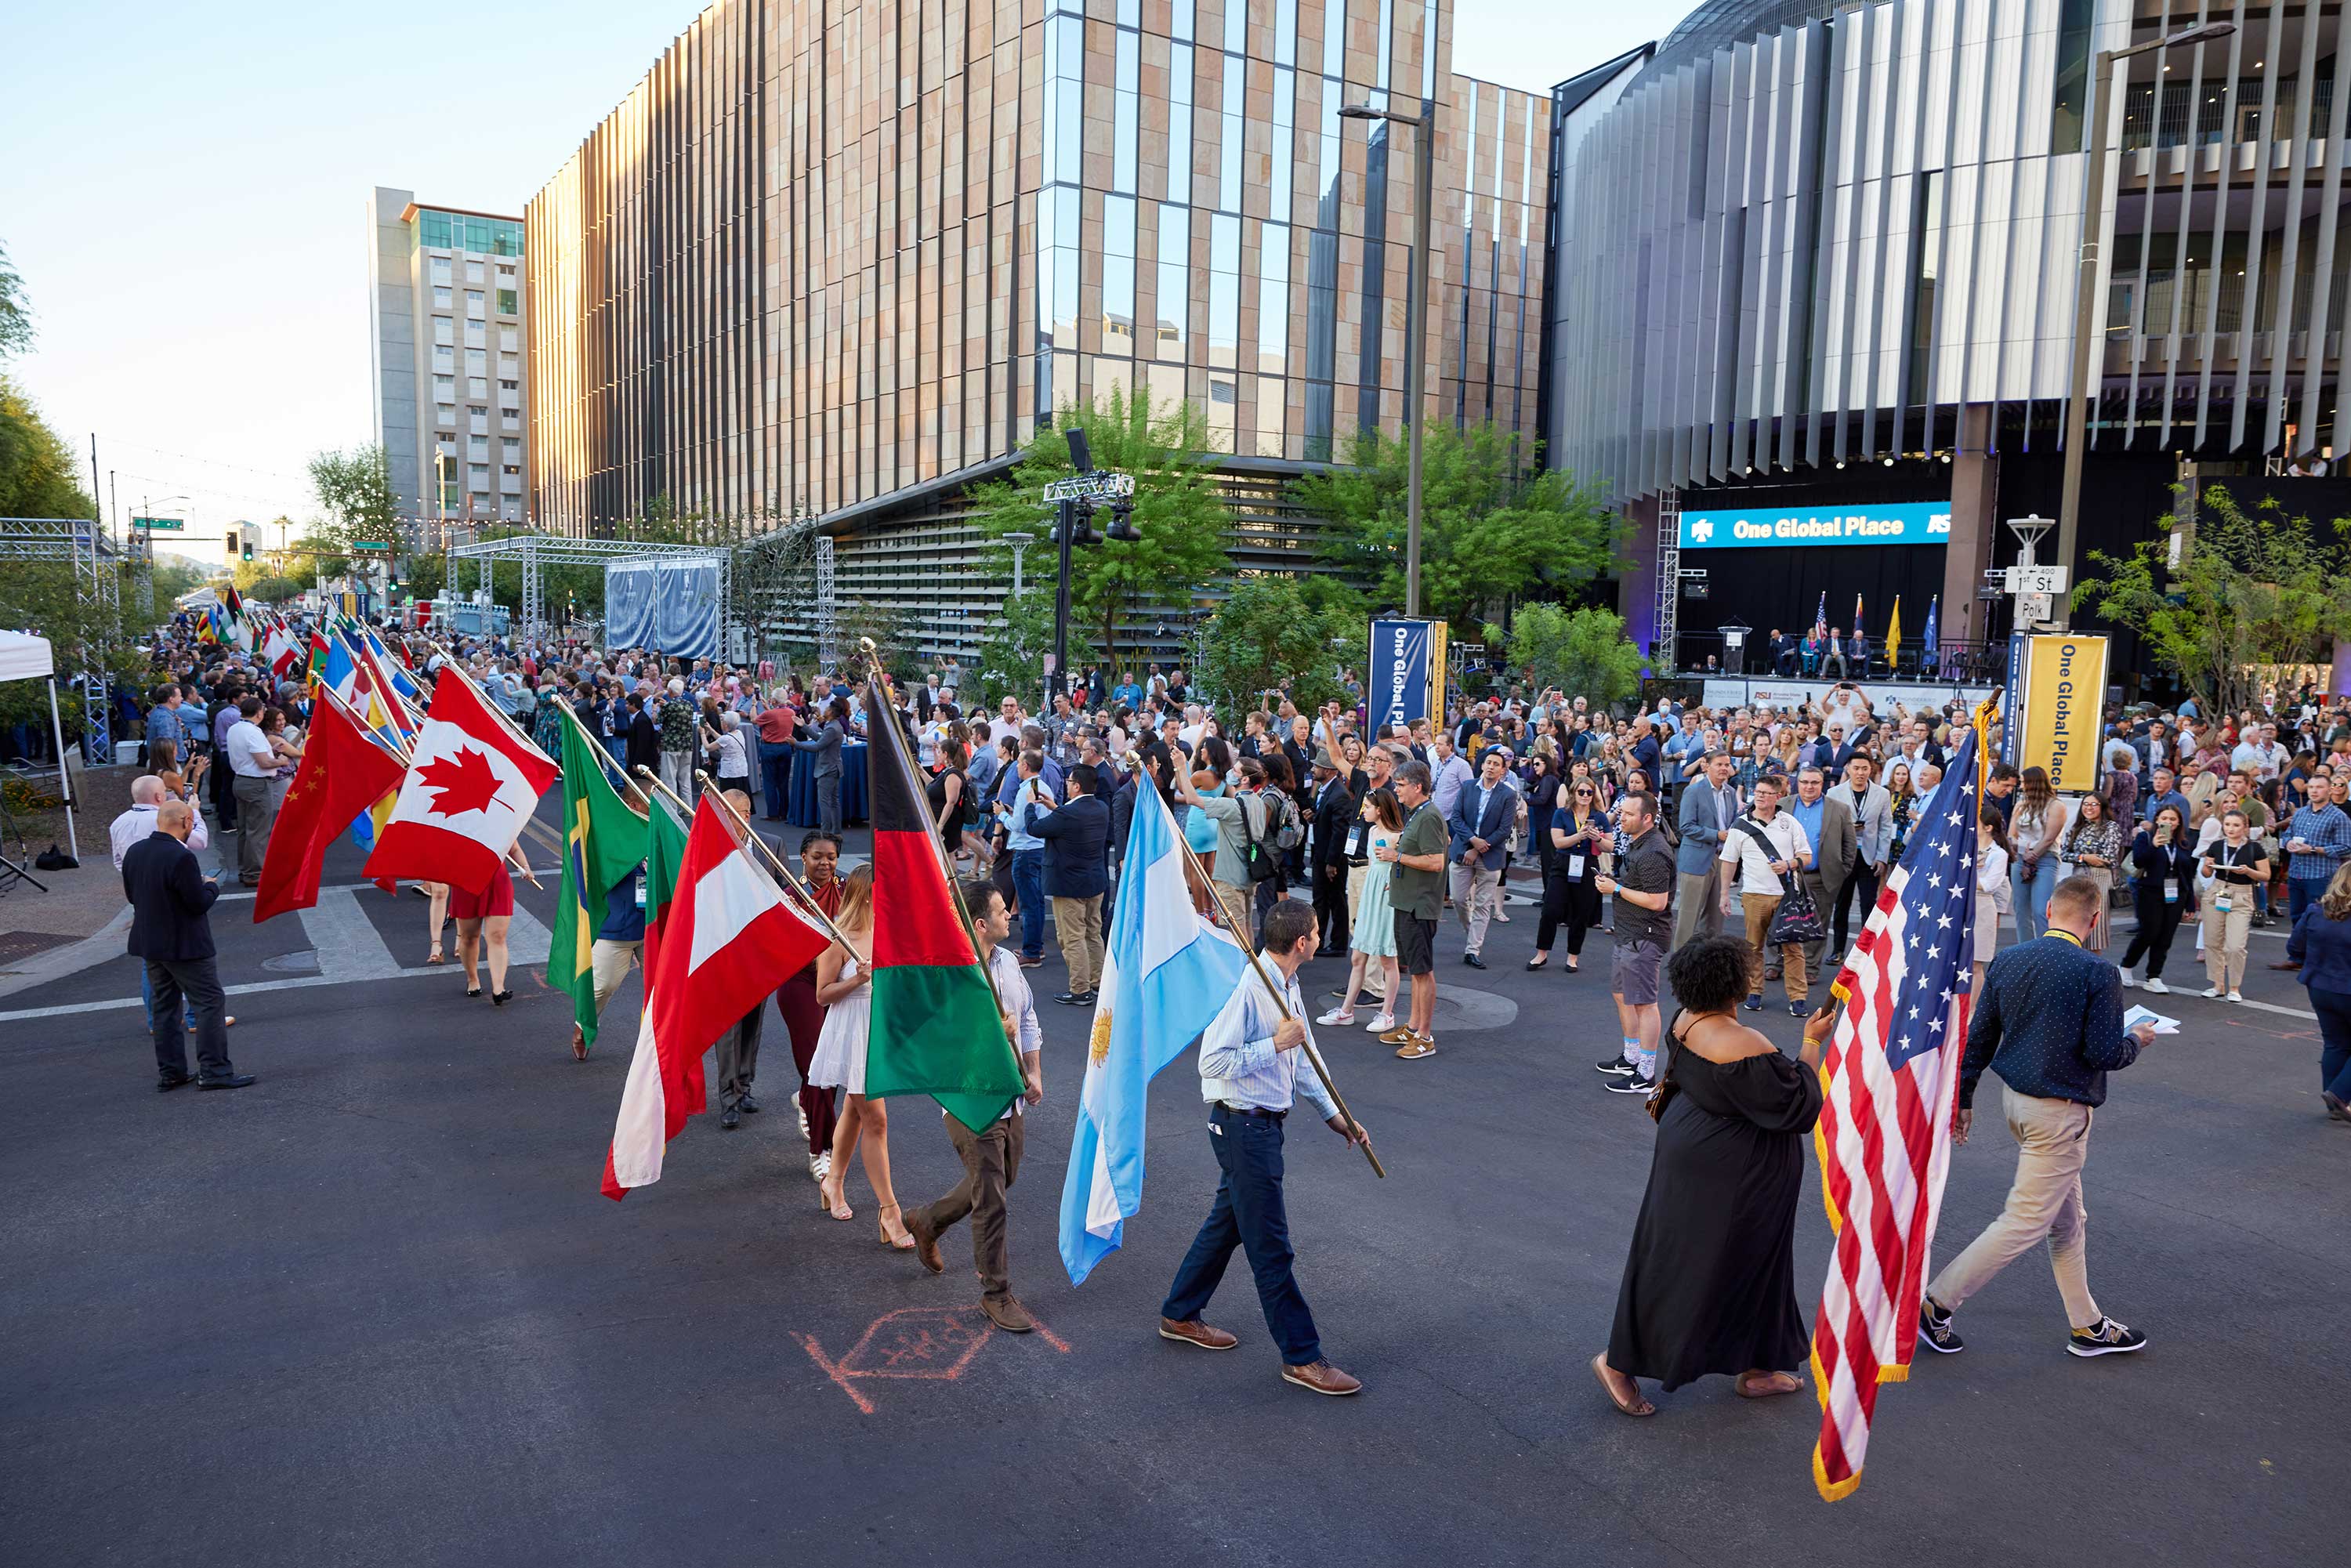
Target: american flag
pixel 1888 1079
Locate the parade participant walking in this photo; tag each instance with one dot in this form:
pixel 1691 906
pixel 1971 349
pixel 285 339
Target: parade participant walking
pixel 1766 849
pixel 171 929
pixel 2049 1022
pixel 737 1059
pixel 1709 1280
pixel 483 919
pixel 1417 891
pixel 1251 1069
pixel 802 1014
pixel 1642 891
pixel 991 1159
pixel 843 984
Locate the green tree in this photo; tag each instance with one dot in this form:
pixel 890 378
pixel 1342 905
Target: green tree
pixel 354 489
pixel 16 313
pixel 1179 509
pixel 38 475
pixel 2254 590
pixel 1583 653
pixel 1012 660
pixel 1265 631
pixel 1493 524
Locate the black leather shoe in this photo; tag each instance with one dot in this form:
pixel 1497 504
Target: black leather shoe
pixel 729 1120
pixel 165 1085
pixel 1071 998
pixel 1474 961
pixel 748 1106
pixel 234 1081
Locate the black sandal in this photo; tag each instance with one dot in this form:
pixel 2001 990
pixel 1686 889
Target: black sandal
pixel 1533 963
pixel 501 999
pixel 473 990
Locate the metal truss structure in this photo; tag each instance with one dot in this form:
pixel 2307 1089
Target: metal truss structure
pixel 85 544
pixel 827 655
pixel 1665 656
pixel 536 550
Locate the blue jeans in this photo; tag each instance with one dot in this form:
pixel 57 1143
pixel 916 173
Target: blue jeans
pixel 776 775
pixel 1028 892
pixel 2032 899
pixel 2333 1010
pixel 1248 1214
pixel 2301 892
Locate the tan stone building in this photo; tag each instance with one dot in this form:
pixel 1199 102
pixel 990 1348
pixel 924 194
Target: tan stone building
pixel 841 260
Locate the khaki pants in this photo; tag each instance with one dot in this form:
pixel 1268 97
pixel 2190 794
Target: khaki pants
pixel 1078 923
pixel 2224 939
pixel 991 1161
pixel 254 817
pixel 2053 1139
pixel 1759 908
pixel 611 961
pixel 1477 893
pixel 1239 904
pixel 1698 906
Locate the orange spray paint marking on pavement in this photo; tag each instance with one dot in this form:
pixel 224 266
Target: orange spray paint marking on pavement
pixel 926 1344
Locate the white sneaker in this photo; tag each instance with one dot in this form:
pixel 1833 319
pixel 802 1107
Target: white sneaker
pixel 1381 1024
pixel 820 1165
pixel 2157 986
pixel 2130 981
pixel 2236 996
pixel 1336 1015
pixel 2211 991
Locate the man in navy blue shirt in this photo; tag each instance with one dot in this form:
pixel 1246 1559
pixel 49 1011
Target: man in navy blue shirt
pixel 2050 1023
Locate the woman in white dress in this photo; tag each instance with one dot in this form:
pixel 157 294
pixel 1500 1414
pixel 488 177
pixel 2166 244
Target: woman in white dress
pixel 1374 939
pixel 1994 894
pixel 843 984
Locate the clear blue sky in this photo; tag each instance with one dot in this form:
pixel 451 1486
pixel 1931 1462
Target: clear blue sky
pixel 185 198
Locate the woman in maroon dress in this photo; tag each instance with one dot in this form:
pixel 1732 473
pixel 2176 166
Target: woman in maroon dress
pixel 804 1015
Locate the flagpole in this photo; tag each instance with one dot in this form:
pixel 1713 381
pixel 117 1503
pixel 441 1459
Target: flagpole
pixel 450 665
pixel 939 851
pixel 1280 996
pixel 750 835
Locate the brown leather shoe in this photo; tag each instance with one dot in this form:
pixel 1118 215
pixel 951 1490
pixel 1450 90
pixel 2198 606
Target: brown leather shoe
pixel 1322 1379
pixel 926 1244
pixel 1195 1331
pixel 2285 964
pixel 1006 1314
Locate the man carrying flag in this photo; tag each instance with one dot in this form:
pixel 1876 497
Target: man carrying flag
pixel 603 843
pixel 719 938
pixel 1166 973
pixel 936 1027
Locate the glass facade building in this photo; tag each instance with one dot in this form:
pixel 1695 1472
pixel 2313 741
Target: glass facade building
pixel 841 263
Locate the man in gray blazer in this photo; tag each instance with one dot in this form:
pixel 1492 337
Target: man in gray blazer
pixel 1834 851
pixel 1872 826
pixel 1709 805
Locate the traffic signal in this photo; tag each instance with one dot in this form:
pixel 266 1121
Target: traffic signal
pixel 246 544
pixel 232 544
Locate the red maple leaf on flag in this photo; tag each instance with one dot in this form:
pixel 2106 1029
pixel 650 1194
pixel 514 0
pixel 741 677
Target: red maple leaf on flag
pixel 465 782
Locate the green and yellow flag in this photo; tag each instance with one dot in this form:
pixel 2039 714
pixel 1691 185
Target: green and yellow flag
pixel 603 840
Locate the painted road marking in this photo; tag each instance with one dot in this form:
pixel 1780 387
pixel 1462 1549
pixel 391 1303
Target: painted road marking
pixel 933 1344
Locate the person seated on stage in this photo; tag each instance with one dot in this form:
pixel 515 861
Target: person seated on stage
pixel 1856 654
pixel 1812 651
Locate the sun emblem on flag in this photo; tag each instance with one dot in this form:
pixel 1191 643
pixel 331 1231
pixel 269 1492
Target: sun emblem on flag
pixel 1101 1041
pixel 465 782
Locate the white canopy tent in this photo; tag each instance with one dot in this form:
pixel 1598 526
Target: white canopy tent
pixel 24 657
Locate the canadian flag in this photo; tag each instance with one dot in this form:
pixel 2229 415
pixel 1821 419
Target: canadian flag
pixel 718 948
pixel 473 780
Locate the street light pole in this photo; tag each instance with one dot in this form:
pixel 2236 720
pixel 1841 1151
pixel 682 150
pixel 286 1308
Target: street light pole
pixel 1416 367
pixel 2088 370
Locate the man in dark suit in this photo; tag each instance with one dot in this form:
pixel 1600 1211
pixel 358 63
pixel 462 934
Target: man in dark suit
pixel 1076 835
pixel 1483 814
pixel 644 737
pixel 2048 1022
pixel 1334 817
pixel 171 929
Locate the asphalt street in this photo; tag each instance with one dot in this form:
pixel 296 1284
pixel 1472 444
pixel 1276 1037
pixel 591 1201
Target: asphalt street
pixel 374 1310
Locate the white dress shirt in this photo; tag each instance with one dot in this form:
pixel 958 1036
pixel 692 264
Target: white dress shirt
pixel 138 822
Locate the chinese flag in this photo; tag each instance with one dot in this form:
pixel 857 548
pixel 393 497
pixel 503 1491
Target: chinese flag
pixel 344 771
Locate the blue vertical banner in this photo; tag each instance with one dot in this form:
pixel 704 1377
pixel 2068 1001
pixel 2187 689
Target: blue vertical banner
pixel 1396 688
pixel 2012 730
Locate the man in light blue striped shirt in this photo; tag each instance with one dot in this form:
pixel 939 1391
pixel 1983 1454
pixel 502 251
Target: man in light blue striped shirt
pixel 1250 1069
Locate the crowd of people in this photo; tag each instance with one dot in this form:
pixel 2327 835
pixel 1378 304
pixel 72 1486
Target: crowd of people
pixel 1723 851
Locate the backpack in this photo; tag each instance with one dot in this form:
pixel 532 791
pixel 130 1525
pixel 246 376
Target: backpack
pixel 1283 824
pixel 1256 859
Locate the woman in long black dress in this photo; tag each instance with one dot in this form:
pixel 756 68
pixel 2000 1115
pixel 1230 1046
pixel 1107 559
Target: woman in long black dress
pixel 1710 1284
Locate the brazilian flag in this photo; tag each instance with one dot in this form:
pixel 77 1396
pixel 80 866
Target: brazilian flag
pixel 603 840
pixel 934 1029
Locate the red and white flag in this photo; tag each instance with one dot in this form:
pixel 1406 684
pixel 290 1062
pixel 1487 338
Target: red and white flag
pixel 473 780
pixel 282 652
pixel 721 944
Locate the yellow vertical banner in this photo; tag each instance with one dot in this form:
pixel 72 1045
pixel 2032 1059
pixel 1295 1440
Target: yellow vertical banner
pixel 2065 695
pixel 1437 674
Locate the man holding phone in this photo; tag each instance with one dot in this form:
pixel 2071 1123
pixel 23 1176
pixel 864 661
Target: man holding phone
pixel 171 929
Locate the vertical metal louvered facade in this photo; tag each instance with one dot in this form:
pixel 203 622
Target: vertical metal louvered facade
pixel 1819 239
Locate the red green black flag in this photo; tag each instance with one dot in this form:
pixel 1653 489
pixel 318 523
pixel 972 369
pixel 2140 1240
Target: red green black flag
pixel 935 1027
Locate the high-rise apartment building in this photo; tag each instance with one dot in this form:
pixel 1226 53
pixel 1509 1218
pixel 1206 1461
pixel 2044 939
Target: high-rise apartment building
pixel 446 291
pixel 843 263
